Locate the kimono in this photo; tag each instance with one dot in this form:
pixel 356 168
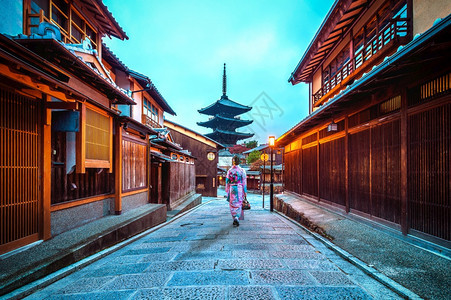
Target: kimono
pixel 236 188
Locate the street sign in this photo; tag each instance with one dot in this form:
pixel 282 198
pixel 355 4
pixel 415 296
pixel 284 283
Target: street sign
pixel 264 157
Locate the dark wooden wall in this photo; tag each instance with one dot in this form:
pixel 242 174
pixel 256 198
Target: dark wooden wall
pixel 134 165
pixel 178 180
pixel 206 170
pixel 371 183
pixel 20 168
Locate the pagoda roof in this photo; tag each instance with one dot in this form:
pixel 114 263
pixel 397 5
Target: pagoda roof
pixel 225 105
pixel 219 135
pixel 218 119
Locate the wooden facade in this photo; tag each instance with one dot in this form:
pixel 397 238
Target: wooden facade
pixel 387 157
pixel 205 151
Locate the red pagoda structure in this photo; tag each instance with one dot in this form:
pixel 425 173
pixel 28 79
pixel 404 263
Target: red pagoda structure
pixel 225 120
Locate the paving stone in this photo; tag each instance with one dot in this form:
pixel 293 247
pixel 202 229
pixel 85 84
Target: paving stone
pixel 311 264
pixel 85 285
pixel 296 255
pixel 255 246
pixel 203 255
pixel 116 295
pixel 208 293
pixel 118 270
pixel 201 237
pixel 249 254
pixel 189 265
pixel 147 251
pixel 198 247
pixel 331 278
pixel 250 264
pixel 290 247
pixel 322 293
pixel 282 277
pixel 121 260
pixel 158 257
pixel 145 280
pixel 209 278
pixel 250 292
pixel 165 239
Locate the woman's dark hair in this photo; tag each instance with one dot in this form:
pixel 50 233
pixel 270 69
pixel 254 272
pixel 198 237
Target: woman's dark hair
pixel 236 160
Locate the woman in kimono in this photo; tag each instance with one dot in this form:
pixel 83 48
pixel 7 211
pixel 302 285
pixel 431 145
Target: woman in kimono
pixel 236 189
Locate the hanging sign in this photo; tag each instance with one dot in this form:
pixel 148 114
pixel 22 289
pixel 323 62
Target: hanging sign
pixel 211 156
pixel 264 157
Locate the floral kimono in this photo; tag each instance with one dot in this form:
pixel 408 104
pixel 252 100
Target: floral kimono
pixel 236 188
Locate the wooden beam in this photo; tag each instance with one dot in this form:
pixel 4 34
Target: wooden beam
pixel 30 82
pixel 62 105
pixel 404 146
pixel 118 170
pixel 81 141
pixel 46 170
pixel 347 165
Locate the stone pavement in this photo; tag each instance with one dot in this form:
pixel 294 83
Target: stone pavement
pixel 200 255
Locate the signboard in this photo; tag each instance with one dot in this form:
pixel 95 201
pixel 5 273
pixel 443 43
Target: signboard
pixel 264 157
pixel 210 156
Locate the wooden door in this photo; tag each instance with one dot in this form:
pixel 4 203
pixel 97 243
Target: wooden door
pixel 19 170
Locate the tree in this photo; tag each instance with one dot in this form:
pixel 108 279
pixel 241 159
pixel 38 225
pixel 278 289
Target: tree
pixel 253 156
pixel 251 144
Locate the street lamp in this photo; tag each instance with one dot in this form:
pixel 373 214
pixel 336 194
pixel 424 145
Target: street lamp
pixel 272 141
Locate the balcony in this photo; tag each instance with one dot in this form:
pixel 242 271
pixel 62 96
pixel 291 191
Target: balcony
pixel 396 33
pixel 146 120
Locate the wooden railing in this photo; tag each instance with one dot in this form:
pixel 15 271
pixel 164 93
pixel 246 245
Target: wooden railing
pixel 146 120
pixel 396 28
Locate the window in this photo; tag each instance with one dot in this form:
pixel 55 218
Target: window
pixel 94 140
pixel 151 110
pixel 74 28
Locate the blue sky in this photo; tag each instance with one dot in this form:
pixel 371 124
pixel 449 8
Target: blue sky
pixel 182 46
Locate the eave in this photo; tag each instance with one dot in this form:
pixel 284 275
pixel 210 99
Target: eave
pixel 237 123
pixel 55 52
pixel 225 105
pixel 337 22
pixel 104 18
pixel 152 90
pixel 434 44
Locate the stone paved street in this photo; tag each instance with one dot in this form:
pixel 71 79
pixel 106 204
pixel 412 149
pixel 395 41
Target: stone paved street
pixel 202 256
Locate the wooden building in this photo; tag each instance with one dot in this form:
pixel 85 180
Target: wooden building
pixel 376 142
pixel 205 151
pixel 75 121
pixel 173 170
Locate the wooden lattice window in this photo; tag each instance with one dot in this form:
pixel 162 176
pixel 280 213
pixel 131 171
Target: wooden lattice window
pixel 391 105
pixel 95 140
pixel 73 26
pixel 436 87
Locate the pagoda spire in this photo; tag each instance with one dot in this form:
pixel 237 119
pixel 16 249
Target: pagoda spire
pixel 224 81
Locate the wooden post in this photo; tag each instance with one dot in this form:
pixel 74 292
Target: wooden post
pixel 404 195
pixel 159 184
pixel 81 142
pixel 347 165
pixel 118 170
pixel 46 170
pixel 317 165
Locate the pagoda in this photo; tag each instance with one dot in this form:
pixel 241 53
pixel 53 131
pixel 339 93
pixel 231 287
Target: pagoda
pixel 225 120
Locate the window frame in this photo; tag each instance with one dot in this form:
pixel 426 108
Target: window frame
pixel 82 163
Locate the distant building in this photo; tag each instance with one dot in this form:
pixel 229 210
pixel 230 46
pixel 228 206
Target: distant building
pixel 205 153
pixel 225 120
pixel 377 140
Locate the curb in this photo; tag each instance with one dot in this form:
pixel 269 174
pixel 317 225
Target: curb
pixel 372 272
pixel 32 287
